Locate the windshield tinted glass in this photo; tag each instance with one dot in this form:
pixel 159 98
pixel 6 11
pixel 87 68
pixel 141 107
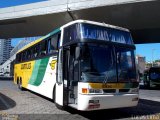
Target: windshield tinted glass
pixel 126 65
pixel 155 73
pixel 97 64
pixel 95 32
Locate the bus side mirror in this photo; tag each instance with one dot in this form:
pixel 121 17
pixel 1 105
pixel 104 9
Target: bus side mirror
pixel 77 53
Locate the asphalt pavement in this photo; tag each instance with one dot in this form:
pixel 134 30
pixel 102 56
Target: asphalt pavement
pixel 16 104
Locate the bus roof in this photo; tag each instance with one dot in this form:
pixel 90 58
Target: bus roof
pixel 95 23
pixel 68 24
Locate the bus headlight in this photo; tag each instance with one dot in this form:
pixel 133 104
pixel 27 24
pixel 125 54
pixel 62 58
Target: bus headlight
pixel 90 90
pixel 134 90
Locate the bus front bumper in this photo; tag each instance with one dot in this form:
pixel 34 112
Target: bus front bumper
pixel 97 102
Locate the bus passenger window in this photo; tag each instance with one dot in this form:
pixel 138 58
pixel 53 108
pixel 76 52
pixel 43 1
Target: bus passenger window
pixel 18 58
pixel 32 55
pixel 28 54
pixel 53 43
pixel 35 51
pixel 43 48
pixel 25 55
pixel 21 56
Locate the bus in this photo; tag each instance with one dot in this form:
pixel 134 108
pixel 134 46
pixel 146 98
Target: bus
pixel 152 77
pixel 84 64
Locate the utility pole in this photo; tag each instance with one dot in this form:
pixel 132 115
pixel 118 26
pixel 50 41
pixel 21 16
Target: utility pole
pixel 152 57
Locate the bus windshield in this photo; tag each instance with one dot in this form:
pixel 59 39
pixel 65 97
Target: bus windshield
pixel 125 64
pixel 98 64
pixel 155 73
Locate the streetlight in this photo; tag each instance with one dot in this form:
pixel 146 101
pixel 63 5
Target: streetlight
pixel 153 56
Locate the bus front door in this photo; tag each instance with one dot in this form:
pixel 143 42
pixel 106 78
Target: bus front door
pixel 66 88
pixel 62 91
pixel 69 76
pixel 59 80
pixel 66 57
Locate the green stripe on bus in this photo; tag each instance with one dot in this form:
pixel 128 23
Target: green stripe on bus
pixel 39 71
pixel 52 33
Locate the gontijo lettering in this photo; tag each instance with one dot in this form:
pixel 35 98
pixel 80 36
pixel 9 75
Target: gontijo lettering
pixel 26 66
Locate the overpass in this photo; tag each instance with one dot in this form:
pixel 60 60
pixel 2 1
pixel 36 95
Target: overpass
pixel 140 16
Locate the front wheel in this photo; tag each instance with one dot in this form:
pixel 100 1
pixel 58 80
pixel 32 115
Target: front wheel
pixel 148 85
pixel 54 95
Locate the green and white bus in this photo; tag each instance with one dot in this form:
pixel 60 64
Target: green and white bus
pixel 85 65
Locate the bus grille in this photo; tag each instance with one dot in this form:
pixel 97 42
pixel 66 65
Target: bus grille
pixel 123 90
pixel 109 90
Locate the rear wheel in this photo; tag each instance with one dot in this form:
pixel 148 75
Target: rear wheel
pixel 20 85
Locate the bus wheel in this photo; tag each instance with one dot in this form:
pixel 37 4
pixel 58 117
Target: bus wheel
pixel 54 95
pixel 20 85
pixel 148 85
pixel 145 84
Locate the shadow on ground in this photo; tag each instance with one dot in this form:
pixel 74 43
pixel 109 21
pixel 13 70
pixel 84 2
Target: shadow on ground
pixel 6 102
pixel 145 107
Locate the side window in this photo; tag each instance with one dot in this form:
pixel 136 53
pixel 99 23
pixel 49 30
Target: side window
pixel 21 56
pixel 43 48
pixel 53 43
pixel 71 33
pixel 18 58
pixel 25 55
pixel 35 51
pixel 28 54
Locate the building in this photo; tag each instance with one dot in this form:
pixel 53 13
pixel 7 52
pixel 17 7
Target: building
pixel 5 49
pixel 21 44
pixel 141 64
pixel 7 68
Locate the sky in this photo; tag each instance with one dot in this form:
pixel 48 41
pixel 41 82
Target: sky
pixel 9 3
pixel 147 50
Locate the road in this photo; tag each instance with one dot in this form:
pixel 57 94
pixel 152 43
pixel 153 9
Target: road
pixel 27 105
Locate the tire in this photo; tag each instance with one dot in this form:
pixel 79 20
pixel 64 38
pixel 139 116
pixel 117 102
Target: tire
pixel 20 85
pixel 148 85
pixel 54 95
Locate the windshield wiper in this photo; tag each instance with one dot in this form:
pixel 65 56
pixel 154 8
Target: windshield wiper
pixel 105 78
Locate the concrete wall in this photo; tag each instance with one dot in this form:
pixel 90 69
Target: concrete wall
pixel 56 6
